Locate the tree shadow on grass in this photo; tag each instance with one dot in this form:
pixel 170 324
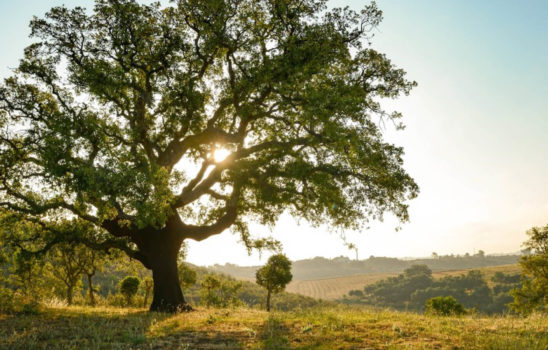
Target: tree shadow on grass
pixel 90 328
pixel 271 334
pixel 274 334
pixel 77 328
pixel 200 340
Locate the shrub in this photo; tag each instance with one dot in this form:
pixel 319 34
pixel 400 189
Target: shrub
pixel 14 303
pixel 356 293
pixel 6 300
pixel 219 292
pixel 444 306
pixel 129 287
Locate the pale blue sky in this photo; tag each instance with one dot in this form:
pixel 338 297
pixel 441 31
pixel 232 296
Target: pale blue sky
pixel 477 128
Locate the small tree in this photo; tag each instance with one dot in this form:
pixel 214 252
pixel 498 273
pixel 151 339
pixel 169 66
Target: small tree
pixel 274 276
pixel 68 262
pixel 219 291
pixel 129 287
pixel 444 306
pixel 24 273
pixel 210 284
pixel 187 276
pixel 94 261
pixel 533 295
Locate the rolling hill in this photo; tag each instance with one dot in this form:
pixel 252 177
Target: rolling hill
pixel 322 268
pixel 337 287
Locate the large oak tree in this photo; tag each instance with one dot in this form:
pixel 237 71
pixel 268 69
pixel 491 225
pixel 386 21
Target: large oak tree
pixel 116 119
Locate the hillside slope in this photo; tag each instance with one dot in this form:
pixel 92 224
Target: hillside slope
pixel 335 288
pixel 323 328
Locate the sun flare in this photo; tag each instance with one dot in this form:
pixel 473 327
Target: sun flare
pixel 220 154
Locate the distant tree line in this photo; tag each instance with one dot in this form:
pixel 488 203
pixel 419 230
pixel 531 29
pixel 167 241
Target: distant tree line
pixel 320 267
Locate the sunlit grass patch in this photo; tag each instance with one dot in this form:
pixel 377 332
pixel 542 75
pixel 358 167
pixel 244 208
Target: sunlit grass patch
pixel 241 328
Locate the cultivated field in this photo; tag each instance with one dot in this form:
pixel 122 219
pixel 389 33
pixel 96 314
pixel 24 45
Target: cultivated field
pixel 322 328
pixel 334 288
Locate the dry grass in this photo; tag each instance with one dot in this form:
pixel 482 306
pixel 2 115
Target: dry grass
pixel 329 328
pixel 335 288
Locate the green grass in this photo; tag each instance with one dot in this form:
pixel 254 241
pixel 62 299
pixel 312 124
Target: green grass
pixel 327 328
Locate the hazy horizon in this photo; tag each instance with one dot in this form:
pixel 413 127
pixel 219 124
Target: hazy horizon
pixel 404 258
pixel 475 139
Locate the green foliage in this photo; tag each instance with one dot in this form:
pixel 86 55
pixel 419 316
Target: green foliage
pixel 396 291
pixel 115 268
pixel 276 274
pixel 444 306
pixel 219 292
pixel 288 88
pixel 6 300
pixel 533 295
pixel 248 294
pixel 129 287
pixel 12 302
pixel 67 263
pixel 411 290
pixel 356 293
pixel 25 274
pixel 187 276
pixel 502 289
pixel 210 284
pixel 470 289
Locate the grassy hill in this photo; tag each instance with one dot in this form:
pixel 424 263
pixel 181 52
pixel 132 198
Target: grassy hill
pixel 320 328
pixel 335 288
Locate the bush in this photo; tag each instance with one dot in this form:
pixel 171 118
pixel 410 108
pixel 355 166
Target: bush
pixel 444 306
pixel 14 303
pixel 219 292
pixel 129 287
pixel 30 308
pixel 6 300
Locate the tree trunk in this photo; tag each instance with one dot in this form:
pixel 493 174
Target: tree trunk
pixel 69 295
pixel 161 249
pixel 168 296
pixel 147 293
pixel 268 300
pixel 90 286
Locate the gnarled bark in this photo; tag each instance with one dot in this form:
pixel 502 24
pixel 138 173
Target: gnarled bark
pixel 161 248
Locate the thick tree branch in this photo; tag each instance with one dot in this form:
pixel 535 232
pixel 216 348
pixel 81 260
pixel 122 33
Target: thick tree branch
pixel 199 233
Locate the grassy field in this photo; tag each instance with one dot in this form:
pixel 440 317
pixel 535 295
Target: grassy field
pixel 329 328
pixel 335 288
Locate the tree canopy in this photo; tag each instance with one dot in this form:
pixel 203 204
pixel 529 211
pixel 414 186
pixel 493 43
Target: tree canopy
pixel 533 294
pixel 145 125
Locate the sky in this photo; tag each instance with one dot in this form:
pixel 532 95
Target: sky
pixel 476 137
